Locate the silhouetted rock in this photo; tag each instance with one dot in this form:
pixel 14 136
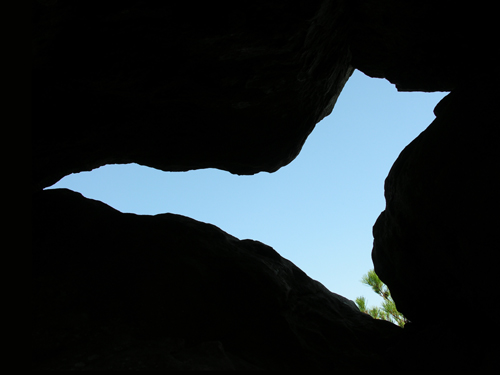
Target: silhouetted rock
pixel 167 291
pixel 436 243
pixel 423 45
pixel 236 86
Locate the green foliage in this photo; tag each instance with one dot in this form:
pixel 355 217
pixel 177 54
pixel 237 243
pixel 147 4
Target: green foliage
pixel 388 309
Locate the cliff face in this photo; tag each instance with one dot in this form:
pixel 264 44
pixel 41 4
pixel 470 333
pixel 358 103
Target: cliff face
pixel 180 87
pixel 435 244
pixel 239 86
pixel 159 287
pixel 441 208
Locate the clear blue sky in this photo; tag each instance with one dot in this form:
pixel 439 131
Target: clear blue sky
pixel 318 211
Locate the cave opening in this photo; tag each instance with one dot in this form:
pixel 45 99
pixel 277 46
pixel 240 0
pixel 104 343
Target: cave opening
pixel 318 211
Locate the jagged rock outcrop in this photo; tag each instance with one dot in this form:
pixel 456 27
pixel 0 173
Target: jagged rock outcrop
pixel 423 45
pixel 175 293
pixel 436 243
pixel 176 87
pixel 236 87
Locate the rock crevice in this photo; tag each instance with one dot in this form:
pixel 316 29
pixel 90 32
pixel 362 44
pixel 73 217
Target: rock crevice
pixel 239 86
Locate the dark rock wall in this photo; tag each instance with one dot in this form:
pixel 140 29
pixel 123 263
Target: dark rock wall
pixel 104 279
pixel 423 45
pixel 176 86
pixel 239 86
pixel 441 213
pixel 236 87
pixel 436 243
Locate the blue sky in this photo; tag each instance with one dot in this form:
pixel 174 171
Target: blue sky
pixel 318 211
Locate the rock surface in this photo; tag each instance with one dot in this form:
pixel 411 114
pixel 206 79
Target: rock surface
pixel 235 87
pixel 436 243
pixel 423 45
pixel 441 207
pixel 121 291
pixel 176 87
